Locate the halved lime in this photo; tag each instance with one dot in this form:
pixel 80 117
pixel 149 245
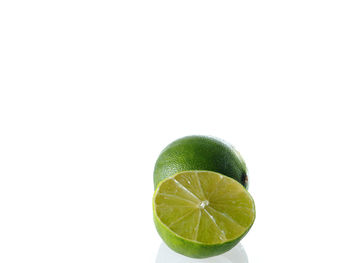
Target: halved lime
pixel 201 213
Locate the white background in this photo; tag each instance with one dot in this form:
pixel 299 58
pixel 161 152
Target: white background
pixel 92 91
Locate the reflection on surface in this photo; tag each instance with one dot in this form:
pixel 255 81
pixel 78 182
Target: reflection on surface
pixel 235 255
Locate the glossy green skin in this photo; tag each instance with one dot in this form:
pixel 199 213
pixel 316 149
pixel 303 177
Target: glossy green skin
pixel 200 153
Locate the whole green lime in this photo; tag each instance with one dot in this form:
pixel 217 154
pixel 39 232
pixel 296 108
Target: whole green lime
pixel 200 153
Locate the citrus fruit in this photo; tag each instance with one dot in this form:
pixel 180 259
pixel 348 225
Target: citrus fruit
pixel 200 153
pixel 202 213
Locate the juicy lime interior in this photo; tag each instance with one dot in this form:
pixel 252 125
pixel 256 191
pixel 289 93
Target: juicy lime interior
pixel 204 206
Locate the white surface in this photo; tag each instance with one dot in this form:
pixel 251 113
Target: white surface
pixel 91 91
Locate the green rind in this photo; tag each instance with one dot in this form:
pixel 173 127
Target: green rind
pixel 191 248
pixel 200 153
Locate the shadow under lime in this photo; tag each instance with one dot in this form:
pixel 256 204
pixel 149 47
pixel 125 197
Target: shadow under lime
pixel 235 255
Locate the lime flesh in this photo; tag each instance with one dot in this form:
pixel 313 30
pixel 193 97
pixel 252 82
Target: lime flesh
pixel 202 213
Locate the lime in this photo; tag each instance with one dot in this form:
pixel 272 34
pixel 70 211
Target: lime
pixel 202 213
pixel 200 153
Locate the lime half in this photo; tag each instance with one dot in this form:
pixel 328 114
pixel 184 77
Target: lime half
pixel 201 213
